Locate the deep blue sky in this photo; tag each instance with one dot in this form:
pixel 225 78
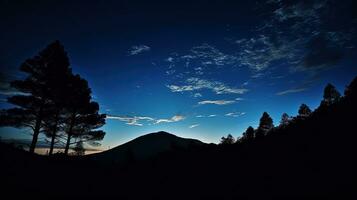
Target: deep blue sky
pixel 200 70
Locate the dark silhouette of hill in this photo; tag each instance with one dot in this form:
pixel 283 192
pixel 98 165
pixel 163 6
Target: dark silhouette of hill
pixel 145 147
pixel 311 157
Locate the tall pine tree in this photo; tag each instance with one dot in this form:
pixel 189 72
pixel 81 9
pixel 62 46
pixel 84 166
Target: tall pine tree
pixel 82 117
pixel 304 111
pixel 36 90
pixel 265 124
pixel 331 95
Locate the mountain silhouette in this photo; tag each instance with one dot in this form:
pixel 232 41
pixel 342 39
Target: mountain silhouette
pixel 145 147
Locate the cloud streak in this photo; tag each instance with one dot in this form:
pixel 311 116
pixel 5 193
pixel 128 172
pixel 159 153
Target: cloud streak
pixel 134 50
pixel 235 114
pixel 133 121
pixel 175 118
pixel 193 84
pixel 209 55
pixel 216 102
pixel 203 116
pixel 290 91
pixel 193 125
pixel 139 120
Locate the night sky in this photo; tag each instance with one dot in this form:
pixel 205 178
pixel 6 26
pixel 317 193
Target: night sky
pixel 200 70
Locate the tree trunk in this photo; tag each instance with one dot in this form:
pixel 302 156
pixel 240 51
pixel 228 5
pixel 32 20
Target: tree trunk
pixel 69 133
pixel 52 143
pixel 67 144
pixel 36 132
pixel 53 137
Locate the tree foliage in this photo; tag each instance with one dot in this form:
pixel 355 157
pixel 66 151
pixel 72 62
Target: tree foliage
pixel 248 134
pixel 304 111
pixel 285 119
pixel 265 124
pixel 227 140
pixel 331 95
pixel 54 101
pixel 351 90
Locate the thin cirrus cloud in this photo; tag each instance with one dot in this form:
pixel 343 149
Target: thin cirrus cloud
pixel 175 118
pixel 193 125
pixel 193 84
pixel 290 91
pixel 140 120
pixel 230 114
pixel 198 61
pixel 133 121
pixel 137 49
pixel 315 45
pixel 235 114
pixel 209 55
pixel 204 55
pixel 5 87
pixel 202 116
pixel 216 102
pixel 196 95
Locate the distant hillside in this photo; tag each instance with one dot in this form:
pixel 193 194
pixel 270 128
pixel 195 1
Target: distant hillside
pixel 146 146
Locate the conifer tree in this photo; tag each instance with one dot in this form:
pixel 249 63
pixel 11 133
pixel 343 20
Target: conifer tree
pixel 265 124
pixel 35 90
pixel 285 119
pixel 304 111
pixel 331 95
pixel 82 117
pixel 248 134
pixel 227 140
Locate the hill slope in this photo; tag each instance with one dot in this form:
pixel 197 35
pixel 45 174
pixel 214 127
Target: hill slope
pixel 145 147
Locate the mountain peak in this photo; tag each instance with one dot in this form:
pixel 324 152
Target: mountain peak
pixel 147 146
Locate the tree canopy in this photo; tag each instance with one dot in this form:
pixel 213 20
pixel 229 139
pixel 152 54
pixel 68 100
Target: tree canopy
pixel 54 101
pixel 304 111
pixel 227 140
pixel 331 95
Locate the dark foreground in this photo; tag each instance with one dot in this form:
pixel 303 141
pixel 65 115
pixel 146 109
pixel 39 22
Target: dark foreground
pixel 314 157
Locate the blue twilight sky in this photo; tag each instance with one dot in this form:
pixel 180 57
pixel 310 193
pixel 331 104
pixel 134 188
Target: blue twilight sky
pixel 198 69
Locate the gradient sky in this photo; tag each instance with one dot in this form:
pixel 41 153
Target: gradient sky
pixel 200 70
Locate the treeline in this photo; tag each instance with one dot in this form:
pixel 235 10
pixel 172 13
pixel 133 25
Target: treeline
pixel 53 101
pixel 266 126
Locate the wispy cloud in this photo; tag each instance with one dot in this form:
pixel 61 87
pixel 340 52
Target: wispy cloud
pixel 134 50
pixel 210 55
pixel 175 118
pixel 170 59
pixel 11 93
pixel 289 91
pixel 199 60
pixel 193 125
pixel 133 121
pixel 196 95
pixel 235 114
pixel 139 120
pixel 258 53
pixel 202 116
pixel 5 87
pixel 309 43
pixel 216 102
pixel 193 84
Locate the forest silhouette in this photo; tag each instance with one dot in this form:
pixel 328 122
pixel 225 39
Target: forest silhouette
pixel 308 155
